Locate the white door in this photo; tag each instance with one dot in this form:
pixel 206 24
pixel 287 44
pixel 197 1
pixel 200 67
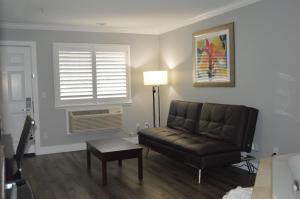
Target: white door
pixel 16 89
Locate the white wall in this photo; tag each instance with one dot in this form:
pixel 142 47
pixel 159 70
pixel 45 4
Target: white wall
pixel 144 55
pixel 267 41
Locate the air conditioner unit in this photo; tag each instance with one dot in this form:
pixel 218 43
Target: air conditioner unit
pixel 84 121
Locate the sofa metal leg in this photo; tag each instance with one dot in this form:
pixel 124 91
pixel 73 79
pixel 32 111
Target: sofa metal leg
pixel 199 176
pixel 147 152
pixel 199 171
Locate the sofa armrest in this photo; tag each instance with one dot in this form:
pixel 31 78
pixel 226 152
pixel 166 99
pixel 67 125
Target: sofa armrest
pixel 250 129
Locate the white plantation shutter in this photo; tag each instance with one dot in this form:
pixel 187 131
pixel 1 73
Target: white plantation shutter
pixel 111 75
pixel 91 74
pixel 75 75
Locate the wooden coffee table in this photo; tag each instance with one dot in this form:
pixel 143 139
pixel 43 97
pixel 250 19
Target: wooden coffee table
pixel 114 149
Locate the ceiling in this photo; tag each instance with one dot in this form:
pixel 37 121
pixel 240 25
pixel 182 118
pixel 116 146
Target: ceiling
pixel 136 16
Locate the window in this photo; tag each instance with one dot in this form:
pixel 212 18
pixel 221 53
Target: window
pixel 86 74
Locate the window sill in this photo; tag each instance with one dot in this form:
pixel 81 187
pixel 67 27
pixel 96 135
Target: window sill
pixel 92 105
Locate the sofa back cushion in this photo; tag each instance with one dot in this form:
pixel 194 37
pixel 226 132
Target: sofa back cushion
pixel 223 122
pixel 184 115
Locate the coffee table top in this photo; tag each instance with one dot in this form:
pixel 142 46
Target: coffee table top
pixel 113 145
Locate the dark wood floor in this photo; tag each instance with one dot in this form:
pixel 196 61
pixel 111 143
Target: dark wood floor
pixel 64 176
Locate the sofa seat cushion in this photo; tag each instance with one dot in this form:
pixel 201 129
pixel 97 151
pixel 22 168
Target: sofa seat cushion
pixel 190 143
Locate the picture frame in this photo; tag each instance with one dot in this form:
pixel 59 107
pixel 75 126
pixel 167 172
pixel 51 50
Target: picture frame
pixel 214 57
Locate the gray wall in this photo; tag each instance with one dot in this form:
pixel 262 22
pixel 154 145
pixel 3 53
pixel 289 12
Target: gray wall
pixel 267 41
pixel 144 56
pixel 267 44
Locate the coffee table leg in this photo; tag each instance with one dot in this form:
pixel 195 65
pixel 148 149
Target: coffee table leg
pixel 140 165
pixel 104 173
pixel 88 159
pixel 120 163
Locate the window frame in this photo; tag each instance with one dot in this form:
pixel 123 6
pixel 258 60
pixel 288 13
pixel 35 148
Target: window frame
pixel 93 48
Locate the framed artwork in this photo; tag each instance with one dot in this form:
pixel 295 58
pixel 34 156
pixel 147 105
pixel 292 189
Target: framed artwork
pixel 214 57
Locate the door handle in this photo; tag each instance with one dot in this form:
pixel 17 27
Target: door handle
pixel 296 186
pixel 25 109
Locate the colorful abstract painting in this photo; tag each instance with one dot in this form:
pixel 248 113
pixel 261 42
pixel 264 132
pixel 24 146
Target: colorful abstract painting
pixel 214 58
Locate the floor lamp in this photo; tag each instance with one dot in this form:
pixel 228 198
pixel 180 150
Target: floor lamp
pixel 155 79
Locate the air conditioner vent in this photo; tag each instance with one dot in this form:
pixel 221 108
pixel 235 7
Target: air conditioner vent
pixel 90 112
pixel 83 121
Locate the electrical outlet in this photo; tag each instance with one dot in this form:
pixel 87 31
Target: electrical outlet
pixel 147 125
pixel 137 127
pixel 131 133
pixel 244 154
pixel 275 151
pixel 255 147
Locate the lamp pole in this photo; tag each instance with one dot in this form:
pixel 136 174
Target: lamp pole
pixel 155 79
pixel 154 89
pixel 158 101
pixel 153 100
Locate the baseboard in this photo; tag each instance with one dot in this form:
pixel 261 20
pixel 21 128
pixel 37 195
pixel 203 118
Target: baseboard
pixel 60 148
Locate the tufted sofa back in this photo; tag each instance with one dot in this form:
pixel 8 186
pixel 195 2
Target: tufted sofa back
pixel 183 115
pixel 234 124
pixel 224 122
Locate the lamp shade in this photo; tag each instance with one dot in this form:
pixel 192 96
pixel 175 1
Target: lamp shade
pixel 156 78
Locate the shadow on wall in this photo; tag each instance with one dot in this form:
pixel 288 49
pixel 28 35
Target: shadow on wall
pixel 283 100
pixel 286 112
pixel 141 95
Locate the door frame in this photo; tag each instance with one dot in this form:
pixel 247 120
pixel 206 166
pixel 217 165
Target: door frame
pixel 36 115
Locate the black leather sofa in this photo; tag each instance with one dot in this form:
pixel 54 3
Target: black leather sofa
pixel 203 134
